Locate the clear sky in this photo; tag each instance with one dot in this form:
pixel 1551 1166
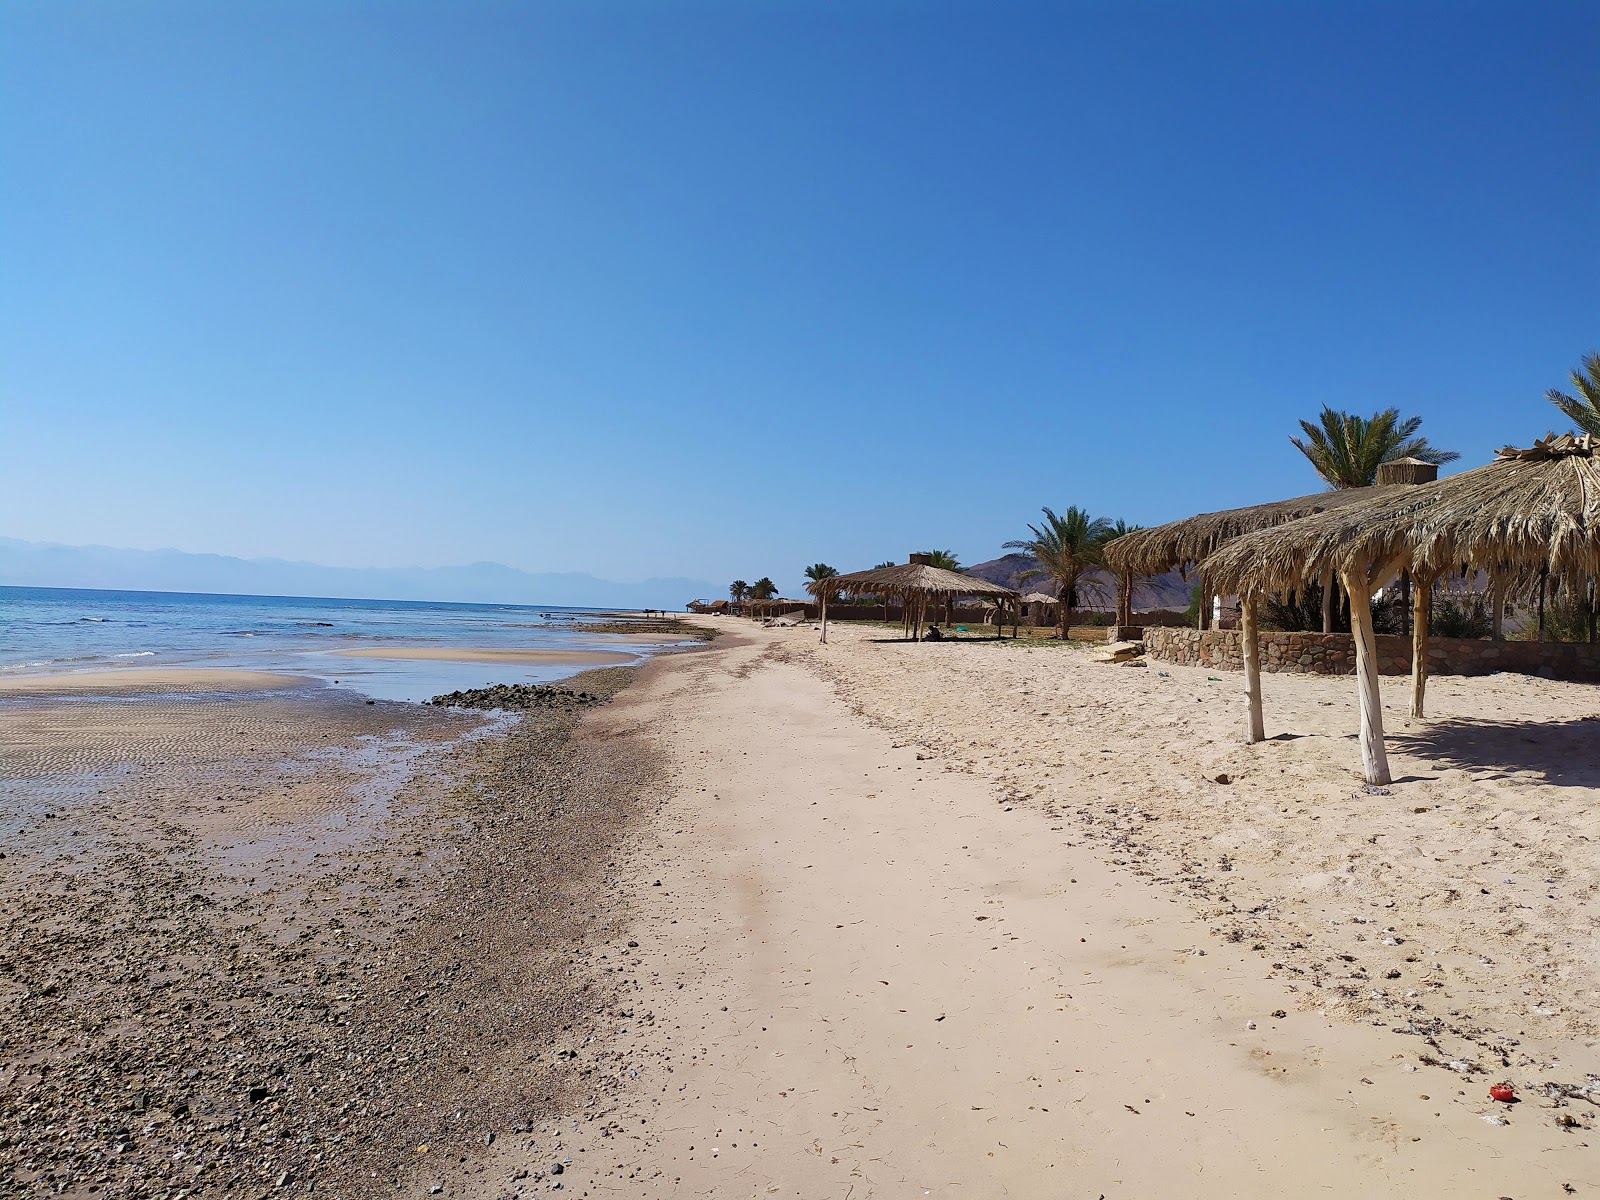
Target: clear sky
pixel 719 289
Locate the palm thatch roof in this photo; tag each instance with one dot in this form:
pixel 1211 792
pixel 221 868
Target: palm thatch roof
pixel 1162 547
pixel 908 579
pixel 1535 508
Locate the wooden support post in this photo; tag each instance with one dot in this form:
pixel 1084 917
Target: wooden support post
pixel 1374 760
pixel 1497 596
pixel 1250 639
pixel 1327 600
pixel 1422 591
pixel 1544 578
pixel 1202 608
pixel 823 598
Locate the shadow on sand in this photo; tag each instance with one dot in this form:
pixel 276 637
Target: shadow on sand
pixel 1566 753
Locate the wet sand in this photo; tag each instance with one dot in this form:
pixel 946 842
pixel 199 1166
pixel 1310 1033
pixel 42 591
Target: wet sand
pixel 263 943
pixel 152 679
pixel 553 658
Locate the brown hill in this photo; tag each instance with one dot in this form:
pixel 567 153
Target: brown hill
pixel 1096 591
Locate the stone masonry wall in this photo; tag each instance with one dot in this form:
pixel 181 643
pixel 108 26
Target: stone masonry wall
pixel 1334 654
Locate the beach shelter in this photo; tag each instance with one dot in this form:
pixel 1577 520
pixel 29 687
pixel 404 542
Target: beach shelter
pixel 1179 543
pixel 1530 510
pixel 915 584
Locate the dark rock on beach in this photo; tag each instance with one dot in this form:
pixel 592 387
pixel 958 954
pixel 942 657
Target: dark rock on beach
pixel 519 697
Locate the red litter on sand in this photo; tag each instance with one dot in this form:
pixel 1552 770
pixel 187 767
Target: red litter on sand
pixel 1503 1092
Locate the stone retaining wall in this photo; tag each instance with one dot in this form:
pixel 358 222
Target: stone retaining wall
pixel 1334 654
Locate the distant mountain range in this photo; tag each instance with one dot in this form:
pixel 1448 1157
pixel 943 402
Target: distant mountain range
pixel 1096 589
pixel 43 564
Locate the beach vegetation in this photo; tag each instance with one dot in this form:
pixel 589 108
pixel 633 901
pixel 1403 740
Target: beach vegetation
pixel 819 571
pixel 763 589
pixel 1461 615
pixel 1125 579
pixel 1583 409
pixel 1064 545
pixel 945 560
pixel 1346 450
pixel 738 590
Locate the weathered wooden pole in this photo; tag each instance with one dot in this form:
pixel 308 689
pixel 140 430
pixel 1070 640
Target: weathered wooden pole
pixel 1420 596
pixel 1250 640
pixel 1497 596
pixel 1327 600
pixel 1544 578
pixel 822 597
pixel 1357 586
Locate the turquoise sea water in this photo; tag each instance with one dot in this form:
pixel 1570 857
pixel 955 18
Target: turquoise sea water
pixel 49 630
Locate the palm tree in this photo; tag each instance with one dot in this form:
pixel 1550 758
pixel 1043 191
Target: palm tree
pixel 1114 530
pixel 818 571
pixel 738 590
pixel 1346 449
pixel 763 589
pixel 945 560
pixel 1583 410
pixel 1064 547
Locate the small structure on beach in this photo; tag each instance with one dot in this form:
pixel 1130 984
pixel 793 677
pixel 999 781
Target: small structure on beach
pixel 1530 510
pixel 915 583
pixel 1187 542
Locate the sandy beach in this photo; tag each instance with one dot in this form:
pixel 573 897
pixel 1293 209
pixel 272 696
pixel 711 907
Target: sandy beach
pixel 982 921
pixel 867 919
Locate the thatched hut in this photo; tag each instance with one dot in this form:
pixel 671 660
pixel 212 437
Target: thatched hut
pixel 915 584
pixel 768 607
pixel 1535 509
pixel 1189 541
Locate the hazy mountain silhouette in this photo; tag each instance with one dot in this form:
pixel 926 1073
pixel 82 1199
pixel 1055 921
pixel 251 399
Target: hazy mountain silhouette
pixel 44 564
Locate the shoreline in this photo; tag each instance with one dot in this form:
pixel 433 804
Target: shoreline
pixel 813 919
pixel 485 654
pixel 350 921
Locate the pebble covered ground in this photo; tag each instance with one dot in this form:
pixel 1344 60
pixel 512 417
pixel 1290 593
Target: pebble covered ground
pixel 336 950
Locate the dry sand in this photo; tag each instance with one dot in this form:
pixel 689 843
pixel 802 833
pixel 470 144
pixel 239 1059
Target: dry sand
pixel 553 658
pixel 979 920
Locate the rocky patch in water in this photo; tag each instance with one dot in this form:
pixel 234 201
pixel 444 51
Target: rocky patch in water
pixel 519 697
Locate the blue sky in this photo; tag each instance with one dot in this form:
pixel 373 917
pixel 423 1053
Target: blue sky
pixel 718 289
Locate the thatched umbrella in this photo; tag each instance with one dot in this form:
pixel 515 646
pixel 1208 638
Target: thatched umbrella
pixel 915 583
pixel 1536 509
pixel 1178 543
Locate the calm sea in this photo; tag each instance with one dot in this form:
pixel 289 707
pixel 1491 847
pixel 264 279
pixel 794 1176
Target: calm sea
pixel 47 630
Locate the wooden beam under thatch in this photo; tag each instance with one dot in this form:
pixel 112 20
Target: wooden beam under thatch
pixel 1162 547
pixel 1534 509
